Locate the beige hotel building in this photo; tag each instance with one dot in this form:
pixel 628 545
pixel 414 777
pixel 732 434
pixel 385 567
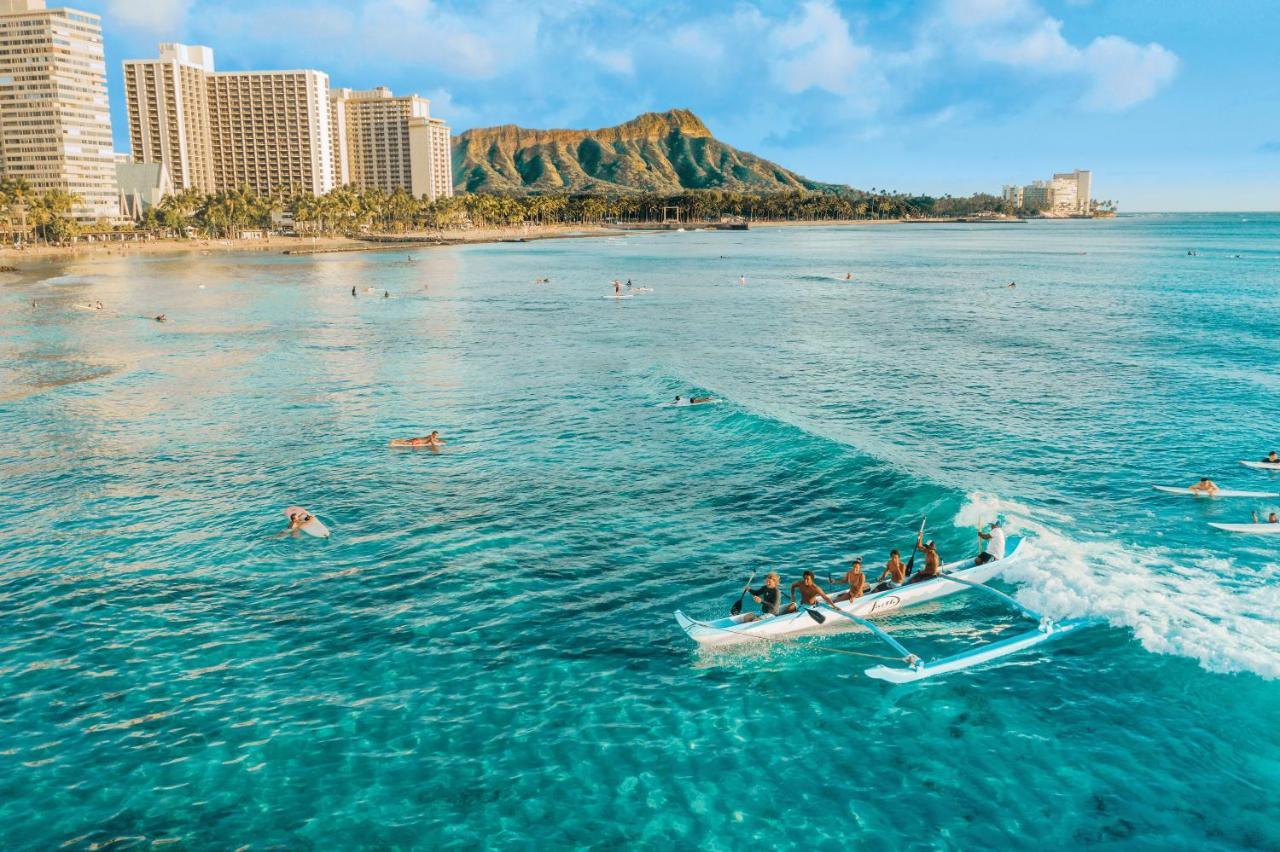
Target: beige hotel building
pixel 55 126
pixel 279 131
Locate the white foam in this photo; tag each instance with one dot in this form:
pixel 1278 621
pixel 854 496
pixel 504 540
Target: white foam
pixel 1172 605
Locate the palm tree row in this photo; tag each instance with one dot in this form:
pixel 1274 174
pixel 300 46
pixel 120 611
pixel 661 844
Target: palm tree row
pixel 47 214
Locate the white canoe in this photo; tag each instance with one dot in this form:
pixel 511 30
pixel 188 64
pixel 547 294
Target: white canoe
pixel 1255 529
pixel 1221 492
pixel 735 629
pixel 1261 465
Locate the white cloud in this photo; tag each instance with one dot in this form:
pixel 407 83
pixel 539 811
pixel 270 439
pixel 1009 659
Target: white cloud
pixel 617 61
pixel 1125 73
pixel 161 18
pixel 815 50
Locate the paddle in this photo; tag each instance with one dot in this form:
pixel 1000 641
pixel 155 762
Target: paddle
pixel 736 609
pixel 915 547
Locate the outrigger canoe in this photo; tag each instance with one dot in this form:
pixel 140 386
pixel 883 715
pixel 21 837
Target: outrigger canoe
pixel 736 629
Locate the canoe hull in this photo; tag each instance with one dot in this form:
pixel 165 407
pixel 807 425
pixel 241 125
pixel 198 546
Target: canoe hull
pixel 736 629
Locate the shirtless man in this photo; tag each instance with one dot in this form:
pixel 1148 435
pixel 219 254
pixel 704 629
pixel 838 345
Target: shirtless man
pixel 1204 486
pixel 432 440
pixel 932 562
pixel 809 592
pixel 296 521
pixel 1273 518
pixel 855 580
pixel 617 287
pixel 893 575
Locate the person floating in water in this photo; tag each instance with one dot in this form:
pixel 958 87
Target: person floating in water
pixel 97 306
pixel 1271 458
pixel 848 276
pixel 297 520
pixel 1204 486
pixel 742 279
pixel 386 294
pixel 1273 518
pixel 161 318
pixel 1013 283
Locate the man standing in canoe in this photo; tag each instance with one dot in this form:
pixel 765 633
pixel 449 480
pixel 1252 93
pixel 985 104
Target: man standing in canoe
pixel 894 573
pixel 809 592
pixel 1204 486
pixel 769 596
pixel 932 562
pixel 994 537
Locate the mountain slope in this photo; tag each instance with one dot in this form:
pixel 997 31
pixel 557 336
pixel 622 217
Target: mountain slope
pixel 655 152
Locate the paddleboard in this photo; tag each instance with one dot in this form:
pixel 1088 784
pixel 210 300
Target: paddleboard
pixel 311 527
pixel 623 296
pixel 1256 529
pixel 1221 492
pixel 1261 465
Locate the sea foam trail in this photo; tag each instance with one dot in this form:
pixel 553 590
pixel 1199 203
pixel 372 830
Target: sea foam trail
pixel 1172 607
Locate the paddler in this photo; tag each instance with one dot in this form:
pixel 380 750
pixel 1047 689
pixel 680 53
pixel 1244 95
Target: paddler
pixel 809 592
pixel 1273 518
pixel 1271 458
pixel 855 580
pixel 994 537
pixel 1204 486
pixel 432 440
pixel 894 573
pixel 932 562
pixel 769 596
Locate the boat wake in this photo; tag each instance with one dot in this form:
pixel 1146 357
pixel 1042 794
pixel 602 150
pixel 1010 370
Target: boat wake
pixel 1211 610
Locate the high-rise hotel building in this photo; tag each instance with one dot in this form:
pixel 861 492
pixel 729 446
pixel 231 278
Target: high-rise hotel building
pixel 216 130
pixel 381 141
pixel 279 131
pixel 55 126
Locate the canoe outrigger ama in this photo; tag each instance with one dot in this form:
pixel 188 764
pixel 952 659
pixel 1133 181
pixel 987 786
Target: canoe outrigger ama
pixel 956 577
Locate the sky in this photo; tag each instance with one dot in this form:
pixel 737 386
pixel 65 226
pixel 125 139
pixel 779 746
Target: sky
pixel 1174 105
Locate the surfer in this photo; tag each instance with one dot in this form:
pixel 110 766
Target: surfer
pixel 97 306
pixel 1272 458
pixel 432 440
pixel 848 276
pixel 994 537
pixel 855 580
pixel 628 283
pixel 297 520
pixel 1204 486
pixel 769 596
pixel 161 318
pixel 932 562
pixel 893 575
pixel 809 592
pixel 1273 518
pixel 386 294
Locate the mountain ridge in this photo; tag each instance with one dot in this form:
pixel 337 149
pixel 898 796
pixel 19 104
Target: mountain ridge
pixel 668 151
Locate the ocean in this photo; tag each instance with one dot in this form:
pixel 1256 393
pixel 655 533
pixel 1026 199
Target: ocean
pixel 483 654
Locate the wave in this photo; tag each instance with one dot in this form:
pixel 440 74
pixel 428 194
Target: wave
pixel 1188 610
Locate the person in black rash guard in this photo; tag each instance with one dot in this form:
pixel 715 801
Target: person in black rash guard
pixel 769 596
pixel 1271 458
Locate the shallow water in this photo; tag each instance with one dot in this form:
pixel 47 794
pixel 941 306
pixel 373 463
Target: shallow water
pixel 483 654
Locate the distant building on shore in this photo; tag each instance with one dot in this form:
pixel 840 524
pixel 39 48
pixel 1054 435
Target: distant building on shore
pixel 221 130
pixel 389 143
pixel 279 131
pixel 55 125
pixel 1068 194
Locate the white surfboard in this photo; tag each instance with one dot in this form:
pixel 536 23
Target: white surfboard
pixel 1262 465
pixel 687 404
pixel 623 296
pixel 1221 492
pixel 1255 529
pixel 311 527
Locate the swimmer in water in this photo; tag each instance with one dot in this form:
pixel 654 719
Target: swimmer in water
pixel 353 289
pixel 1013 283
pixel 742 279
pixel 161 318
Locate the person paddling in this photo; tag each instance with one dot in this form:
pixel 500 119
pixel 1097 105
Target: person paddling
pixel 855 580
pixel 432 440
pixel 994 537
pixel 769 596
pixel 1271 458
pixel 809 592
pixel 894 573
pixel 932 562
pixel 1204 486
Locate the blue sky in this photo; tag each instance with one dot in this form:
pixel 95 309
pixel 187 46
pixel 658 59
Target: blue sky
pixel 1174 104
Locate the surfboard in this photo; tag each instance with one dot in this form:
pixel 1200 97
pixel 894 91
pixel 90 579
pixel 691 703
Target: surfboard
pixel 1221 492
pixel 1256 529
pixel 1261 465
pixel 311 527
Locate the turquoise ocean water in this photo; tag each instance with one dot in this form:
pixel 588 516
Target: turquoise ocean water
pixel 483 654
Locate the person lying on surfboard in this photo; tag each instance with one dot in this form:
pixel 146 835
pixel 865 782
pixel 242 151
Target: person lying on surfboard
pixel 432 440
pixel 769 596
pixel 1273 518
pixel 855 580
pixel 932 562
pixel 1271 458
pixel 809 592
pixel 894 573
pixel 693 400
pixel 1204 486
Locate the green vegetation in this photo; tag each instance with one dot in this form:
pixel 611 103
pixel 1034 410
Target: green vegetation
pixel 46 214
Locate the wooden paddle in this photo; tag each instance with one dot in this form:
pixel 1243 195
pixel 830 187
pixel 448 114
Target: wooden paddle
pixel 915 547
pixel 736 609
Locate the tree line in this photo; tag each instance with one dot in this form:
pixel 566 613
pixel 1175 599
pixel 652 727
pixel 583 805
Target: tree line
pixel 349 210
